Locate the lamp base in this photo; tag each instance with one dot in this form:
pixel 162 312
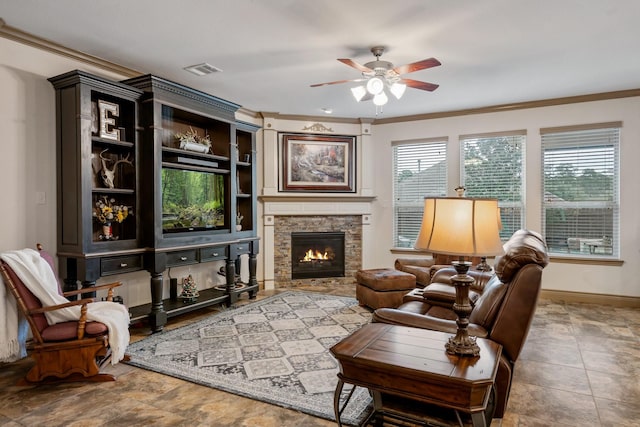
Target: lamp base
pixel 462 344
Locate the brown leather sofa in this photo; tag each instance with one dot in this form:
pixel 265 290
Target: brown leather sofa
pixel 425 268
pixel 503 312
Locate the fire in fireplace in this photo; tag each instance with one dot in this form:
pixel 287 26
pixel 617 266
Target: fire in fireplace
pixel 317 255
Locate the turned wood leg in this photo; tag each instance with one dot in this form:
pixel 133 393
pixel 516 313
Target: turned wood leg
pixel 88 285
pixel 157 316
pixel 253 281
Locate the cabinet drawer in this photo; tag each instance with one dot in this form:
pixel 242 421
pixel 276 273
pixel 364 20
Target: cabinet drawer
pixel 242 248
pixel 182 258
pixel 213 253
pixel 120 264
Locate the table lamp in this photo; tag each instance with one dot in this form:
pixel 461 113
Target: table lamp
pixel 464 227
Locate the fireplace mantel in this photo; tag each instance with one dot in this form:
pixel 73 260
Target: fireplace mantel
pixel 318 198
pixel 317 205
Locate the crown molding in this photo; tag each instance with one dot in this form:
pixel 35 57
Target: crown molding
pixel 20 36
pixel 514 106
pixel 296 117
pixel 23 37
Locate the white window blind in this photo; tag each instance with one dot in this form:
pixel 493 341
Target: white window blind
pixel 493 167
pixel 580 208
pixel 419 170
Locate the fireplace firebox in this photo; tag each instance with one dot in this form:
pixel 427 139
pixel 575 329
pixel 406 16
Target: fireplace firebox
pixel 317 255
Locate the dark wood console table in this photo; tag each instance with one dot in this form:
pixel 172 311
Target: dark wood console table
pixel 411 363
pixel 90 268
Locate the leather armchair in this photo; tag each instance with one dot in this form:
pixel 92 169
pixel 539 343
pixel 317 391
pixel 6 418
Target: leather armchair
pixel 425 268
pixel 419 267
pixel 502 313
pixel 442 292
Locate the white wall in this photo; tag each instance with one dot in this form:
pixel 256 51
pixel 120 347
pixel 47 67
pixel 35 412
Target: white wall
pixel 27 162
pixel 601 279
pixel 27 170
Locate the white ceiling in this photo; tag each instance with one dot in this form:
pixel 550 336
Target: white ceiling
pixel 493 52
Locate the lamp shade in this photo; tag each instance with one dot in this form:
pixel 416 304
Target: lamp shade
pixel 380 99
pixel 359 92
pixel 460 226
pixel 397 89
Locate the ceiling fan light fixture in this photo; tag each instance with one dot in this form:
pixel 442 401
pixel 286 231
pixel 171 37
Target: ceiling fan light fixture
pixel 380 99
pixel 397 89
pixel 381 76
pixel 375 85
pixel 358 92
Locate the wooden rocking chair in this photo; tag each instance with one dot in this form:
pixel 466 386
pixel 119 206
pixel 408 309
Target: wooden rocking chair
pixel 63 352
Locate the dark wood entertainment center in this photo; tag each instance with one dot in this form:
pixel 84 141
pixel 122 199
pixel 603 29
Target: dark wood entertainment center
pixel 132 127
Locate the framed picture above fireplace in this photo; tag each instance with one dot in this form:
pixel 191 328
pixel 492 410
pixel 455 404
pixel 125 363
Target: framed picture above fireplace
pixel 317 163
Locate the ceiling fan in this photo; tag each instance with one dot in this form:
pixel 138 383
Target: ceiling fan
pixel 379 75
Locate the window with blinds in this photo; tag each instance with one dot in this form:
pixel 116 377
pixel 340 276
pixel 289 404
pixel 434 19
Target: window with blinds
pixel 419 170
pixel 493 167
pixel 580 207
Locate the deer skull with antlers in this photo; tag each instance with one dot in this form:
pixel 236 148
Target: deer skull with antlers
pixel 108 176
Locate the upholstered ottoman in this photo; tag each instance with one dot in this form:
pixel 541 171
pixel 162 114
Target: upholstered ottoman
pixel 383 287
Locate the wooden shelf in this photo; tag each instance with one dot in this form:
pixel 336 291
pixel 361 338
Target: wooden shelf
pixel 173 308
pixel 206 298
pixel 113 190
pixel 194 154
pixel 105 141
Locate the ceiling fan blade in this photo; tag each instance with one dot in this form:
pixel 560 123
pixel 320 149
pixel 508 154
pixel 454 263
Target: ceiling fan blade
pixel 417 66
pixel 337 82
pixel 419 85
pixel 354 64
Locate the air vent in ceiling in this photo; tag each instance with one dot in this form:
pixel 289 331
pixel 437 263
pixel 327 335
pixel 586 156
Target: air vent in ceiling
pixel 202 69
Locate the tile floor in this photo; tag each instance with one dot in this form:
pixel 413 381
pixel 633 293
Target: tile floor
pixel 579 367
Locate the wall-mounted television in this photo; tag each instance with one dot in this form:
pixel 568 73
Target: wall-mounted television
pixel 192 201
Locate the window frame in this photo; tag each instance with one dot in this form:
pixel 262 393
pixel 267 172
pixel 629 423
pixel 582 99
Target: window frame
pixel 521 135
pixel 548 202
pixel 429 145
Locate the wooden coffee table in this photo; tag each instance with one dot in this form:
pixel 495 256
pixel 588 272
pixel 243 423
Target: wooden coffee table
pixel 412 363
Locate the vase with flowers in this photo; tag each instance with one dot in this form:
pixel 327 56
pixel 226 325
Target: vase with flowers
pixel 106 212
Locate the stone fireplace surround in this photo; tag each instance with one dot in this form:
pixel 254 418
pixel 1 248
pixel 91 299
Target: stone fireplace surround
pixel 284 215
pixel 285 225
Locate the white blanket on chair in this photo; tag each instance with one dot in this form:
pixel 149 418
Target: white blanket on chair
pixel 38 277
pixel 13 328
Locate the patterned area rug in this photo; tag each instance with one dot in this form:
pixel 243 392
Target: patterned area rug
pixel 275 350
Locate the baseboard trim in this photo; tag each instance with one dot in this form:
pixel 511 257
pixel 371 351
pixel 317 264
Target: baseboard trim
pixel 604 299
